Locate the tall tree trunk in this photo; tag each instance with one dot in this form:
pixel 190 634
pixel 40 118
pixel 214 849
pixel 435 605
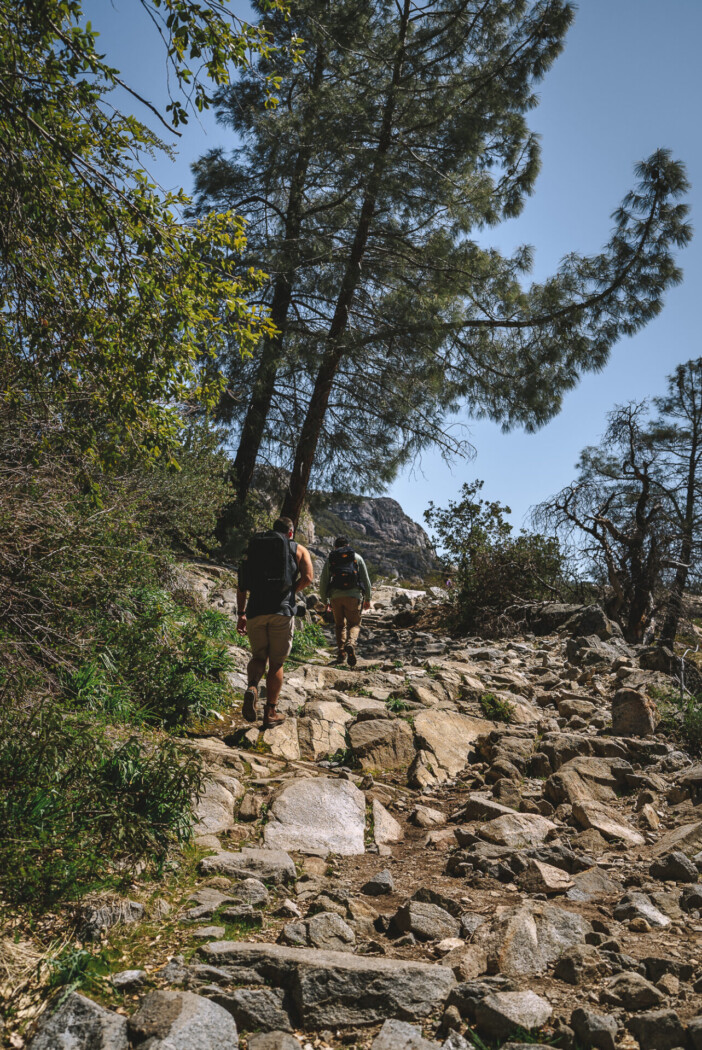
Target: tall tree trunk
pixel 312 426
pixel 644 565
pixel 264 384
pixel 674 610
pixel 642 600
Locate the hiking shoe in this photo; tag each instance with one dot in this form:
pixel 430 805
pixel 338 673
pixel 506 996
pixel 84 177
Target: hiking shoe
pixel 340 658
pixel 351 655
pixel 248 708
pixel 271 718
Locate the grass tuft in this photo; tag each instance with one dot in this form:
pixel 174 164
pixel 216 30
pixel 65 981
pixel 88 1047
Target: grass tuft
pixel 497 709
pixel 681 718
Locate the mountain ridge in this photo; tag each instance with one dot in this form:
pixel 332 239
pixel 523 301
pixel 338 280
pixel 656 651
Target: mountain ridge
pixel 392 544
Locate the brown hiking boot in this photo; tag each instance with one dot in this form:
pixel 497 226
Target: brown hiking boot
pixel 271 718
pixel 351 655
pixel 248 708
pixel 340 657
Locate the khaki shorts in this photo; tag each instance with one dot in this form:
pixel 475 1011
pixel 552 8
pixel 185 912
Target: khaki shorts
pixel 271 637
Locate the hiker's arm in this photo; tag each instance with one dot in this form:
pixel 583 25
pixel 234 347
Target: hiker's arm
pixel 365 582
pixel 241 611
pixel 304 567
pixel 241 591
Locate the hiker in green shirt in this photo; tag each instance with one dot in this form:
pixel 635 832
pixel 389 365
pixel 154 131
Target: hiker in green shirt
pixel 345 587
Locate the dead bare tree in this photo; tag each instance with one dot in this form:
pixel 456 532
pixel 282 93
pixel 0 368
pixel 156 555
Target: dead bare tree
pixel 614 514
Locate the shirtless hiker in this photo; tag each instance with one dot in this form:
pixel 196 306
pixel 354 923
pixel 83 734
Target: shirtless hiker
pixel 271 572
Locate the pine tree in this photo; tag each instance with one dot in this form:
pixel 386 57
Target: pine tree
pixel 559 328
pixel 420 144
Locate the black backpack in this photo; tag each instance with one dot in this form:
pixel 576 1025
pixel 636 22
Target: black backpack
pixel 343 569
pixel 269 565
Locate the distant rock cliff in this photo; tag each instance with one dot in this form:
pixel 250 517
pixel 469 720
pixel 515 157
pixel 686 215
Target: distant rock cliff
pixel 392 544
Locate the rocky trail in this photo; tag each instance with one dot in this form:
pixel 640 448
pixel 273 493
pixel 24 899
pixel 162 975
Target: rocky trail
pixel 399 867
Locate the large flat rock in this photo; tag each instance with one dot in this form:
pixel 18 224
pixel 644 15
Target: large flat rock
pixel 215 807
pixel 283 740
pixel 382 743
pixel 528 939
pixel 182 1021
pixel 358 704
pixel 399 1035
pixel 81 1024
pixel 449 735
pixel 517 829
pixel 269 864
pixel 499 1014
pixel 608 821
pixel 321 815
pixel 385 828
pixel 328 711
pixel 592 885
pixel 322 731
pixel 633 714
pixel 687 838
pixel 335 988
pixel 587 779
pixel 480 807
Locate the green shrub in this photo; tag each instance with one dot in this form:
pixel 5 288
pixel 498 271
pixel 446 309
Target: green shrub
pixel 179 505
pixel 396 703
pixel 68 968
pixel 91 645
pixel 154 662
pixel 692 725
pixel 75 540
pixel 306 640
pixel 496 708
pixel 490 567
pixel 344 756
pixel 680 718
pixel 73 802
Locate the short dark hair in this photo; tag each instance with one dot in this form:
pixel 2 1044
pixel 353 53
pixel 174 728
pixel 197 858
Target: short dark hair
pixel 283 525
pixel 341 541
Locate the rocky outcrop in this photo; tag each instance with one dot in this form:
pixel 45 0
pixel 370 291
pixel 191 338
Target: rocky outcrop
pixel 80 1024
pixel 382 519
pixel 182 1021
pixel 390 542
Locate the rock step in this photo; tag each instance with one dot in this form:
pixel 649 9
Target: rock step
pixel 333 988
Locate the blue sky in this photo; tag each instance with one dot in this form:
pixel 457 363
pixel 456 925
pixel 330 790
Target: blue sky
pixel 628 82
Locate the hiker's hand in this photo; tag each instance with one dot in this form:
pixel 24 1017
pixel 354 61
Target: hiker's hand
pixel 327 607
pixel 241 624
pixel 366 606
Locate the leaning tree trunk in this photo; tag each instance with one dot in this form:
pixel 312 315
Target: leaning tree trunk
pixel 264 385
pixel 335 350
